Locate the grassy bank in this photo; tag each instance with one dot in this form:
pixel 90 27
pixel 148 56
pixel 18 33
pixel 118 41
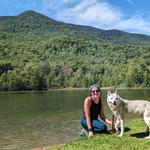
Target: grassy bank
pixel 133 139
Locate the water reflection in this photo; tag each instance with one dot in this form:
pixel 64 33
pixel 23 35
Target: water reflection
pixel 30 120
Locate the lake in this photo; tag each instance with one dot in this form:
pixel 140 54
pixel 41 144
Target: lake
pixel 37 119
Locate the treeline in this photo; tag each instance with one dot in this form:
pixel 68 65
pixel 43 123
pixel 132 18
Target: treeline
pixel 38 53
pixel 70 61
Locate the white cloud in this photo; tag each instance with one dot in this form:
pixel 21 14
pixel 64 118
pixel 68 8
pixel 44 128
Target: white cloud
pixel 135 24
pixel 131 2
pixel 90 13
pixel 52 6
pixel 96 13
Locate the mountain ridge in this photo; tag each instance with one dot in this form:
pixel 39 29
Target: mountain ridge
pixel 34 20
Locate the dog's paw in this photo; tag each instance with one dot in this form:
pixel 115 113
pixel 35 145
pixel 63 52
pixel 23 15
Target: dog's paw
pixel 120 135
pixel 117 132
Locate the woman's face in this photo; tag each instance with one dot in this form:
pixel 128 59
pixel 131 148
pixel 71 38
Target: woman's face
pixel 95 92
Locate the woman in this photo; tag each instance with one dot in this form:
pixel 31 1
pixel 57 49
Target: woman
pixel 94 108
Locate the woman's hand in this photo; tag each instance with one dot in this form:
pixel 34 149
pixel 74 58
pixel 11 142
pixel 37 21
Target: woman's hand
pixel 90 134
pixel 111 123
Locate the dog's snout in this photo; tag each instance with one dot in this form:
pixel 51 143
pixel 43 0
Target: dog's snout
pixel 115 103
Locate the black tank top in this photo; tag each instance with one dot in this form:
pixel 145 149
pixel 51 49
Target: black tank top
pixel 95 109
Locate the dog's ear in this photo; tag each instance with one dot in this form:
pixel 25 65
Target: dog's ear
pixel 118 95
pixel 108 93
pixel 116 91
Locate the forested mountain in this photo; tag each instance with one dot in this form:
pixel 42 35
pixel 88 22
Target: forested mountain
pixel 37 53
pixel 38 24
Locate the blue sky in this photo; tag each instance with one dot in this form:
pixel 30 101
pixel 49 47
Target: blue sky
pixel 128 15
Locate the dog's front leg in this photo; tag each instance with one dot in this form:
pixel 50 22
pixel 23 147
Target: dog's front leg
pixel 122 128
pixel 147 129
pixel 116 125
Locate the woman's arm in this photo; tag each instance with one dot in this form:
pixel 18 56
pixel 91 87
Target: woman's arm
pixel 87 105
pixel 102 115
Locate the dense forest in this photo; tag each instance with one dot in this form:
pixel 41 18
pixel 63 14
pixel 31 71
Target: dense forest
pixel 39 53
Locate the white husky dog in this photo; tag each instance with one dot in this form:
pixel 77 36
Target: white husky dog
pixel 120 106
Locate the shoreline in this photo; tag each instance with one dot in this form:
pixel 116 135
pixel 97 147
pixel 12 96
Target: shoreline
pixel 48 147
pixel 74 88
pixel 103 88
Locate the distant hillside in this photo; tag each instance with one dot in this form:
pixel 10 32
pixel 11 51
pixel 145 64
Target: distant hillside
pixel 116 36
pixel 38 53
pixel 39 24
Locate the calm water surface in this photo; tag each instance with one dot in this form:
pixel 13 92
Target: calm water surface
pixel 29 120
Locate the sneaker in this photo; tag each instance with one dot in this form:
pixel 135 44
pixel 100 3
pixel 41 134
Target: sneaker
pixel 83 132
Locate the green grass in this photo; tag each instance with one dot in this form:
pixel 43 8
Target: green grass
pixel 133 139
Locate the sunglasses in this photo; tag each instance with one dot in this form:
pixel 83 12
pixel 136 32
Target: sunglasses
pixel 96 91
